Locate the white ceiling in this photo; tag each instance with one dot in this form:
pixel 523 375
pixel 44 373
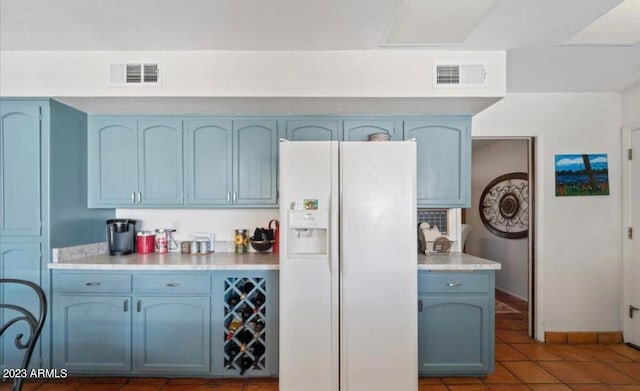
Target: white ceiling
pixel 533 32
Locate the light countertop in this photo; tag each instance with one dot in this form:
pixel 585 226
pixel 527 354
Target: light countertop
pixel 455 262
pixel 249 261
pixel 172 261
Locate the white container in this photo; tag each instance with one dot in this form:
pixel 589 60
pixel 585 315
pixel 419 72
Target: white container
pixel 205 236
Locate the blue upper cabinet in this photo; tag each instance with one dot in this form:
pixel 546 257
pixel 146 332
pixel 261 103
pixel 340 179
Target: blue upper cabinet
pixel 134 162
pixel 209 163
pixel 20 146
pixel 444 160
pixel 113 161
pixel 160 161
pixel 312 130
pixel 255 162
pixel 359 130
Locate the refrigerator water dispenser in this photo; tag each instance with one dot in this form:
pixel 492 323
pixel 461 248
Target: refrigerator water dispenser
pixel 308 232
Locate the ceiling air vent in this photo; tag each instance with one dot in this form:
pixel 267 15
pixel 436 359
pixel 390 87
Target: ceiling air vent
pixel 134 74
pixel 460 76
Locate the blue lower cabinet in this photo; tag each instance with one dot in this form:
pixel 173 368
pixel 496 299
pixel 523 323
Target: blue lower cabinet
pixel 175 324
pixel 92 333
pixel 22 261
pixel 173 334
pixel 456 324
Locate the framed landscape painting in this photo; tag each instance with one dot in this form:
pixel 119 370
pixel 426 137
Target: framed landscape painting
pixel 581 175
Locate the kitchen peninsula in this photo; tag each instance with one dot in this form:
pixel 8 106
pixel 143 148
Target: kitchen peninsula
pixel 171 314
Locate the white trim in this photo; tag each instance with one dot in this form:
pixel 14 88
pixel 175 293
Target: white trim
pixel 626 276
pixel 538 243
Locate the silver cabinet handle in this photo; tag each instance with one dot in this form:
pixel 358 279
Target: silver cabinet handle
pixel 228 197
pixel 419 305
pixel 139 305
pixel 126 305
pixel 235 197
pixel 173 284
pixel 133 197
pixel 93 283
pixel 453 284
pixel 139 197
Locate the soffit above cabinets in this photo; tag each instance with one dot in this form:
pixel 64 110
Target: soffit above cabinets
pixel 278 106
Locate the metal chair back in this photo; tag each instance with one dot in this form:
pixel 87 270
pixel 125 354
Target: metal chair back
pixel 23 316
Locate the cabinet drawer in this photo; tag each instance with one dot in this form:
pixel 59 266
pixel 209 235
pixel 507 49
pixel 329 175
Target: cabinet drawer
pixel 451 282
pixel 174 283
pixel 92 283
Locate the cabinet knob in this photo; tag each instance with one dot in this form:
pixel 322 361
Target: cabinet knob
pixel 173 284
pixel 93 283
pixel 453 284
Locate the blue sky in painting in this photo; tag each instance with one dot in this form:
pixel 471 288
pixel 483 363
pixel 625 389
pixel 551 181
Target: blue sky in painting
pixel 575 163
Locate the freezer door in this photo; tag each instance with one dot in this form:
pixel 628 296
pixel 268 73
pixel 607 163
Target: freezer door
pixel 378 339
pixel 308 267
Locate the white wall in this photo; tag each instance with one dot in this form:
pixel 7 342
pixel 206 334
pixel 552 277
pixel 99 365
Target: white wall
pixel 578 252
pixel 341 73
pixel 492 158
pixel 631 106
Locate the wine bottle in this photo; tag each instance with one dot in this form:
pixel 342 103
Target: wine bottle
pixel 247 287
pixel 257 349
pixel 232 351
pixel 246 312
pixel 233 300
pixel 245 337
pixel 258 300
pixel 234 325
pixel 245 363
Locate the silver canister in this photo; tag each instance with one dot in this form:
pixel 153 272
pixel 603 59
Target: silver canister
pixel 204 246
pixel 195 247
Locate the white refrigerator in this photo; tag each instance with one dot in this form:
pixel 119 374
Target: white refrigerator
pixel 348 266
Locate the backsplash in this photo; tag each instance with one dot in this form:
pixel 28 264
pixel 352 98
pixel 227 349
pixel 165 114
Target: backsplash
pixel 74 252
pixel 437 217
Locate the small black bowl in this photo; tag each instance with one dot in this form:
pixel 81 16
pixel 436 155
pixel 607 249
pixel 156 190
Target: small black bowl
pixel 261 246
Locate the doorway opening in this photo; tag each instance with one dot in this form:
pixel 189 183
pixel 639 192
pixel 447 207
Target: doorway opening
pixel 501 216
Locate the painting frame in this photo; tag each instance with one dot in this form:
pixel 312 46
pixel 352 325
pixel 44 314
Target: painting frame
pixel 584 174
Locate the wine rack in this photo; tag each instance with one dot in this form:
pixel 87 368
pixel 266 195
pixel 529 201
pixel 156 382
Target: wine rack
pixel 245 331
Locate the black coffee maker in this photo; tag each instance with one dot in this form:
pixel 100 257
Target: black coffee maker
pixel 121 236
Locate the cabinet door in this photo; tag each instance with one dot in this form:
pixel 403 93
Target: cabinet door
pixel 444 164
pixel 208 156
pixel 173 334
pixel 360 130
pixel 21 261
pixel 453 335
pixel 20 143
pixel 312 130
pixel 92 333
pixel 160 161
pixel 255 162
pixel 112 161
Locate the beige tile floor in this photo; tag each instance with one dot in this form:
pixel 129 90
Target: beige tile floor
pixel 521 365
